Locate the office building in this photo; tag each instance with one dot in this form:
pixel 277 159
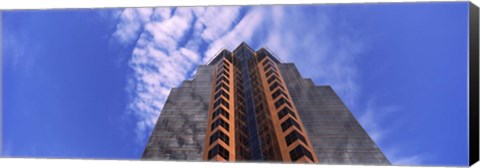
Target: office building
pixel 247 105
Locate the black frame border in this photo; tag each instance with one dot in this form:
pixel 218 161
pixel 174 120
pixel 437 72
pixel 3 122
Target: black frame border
pixel 473 84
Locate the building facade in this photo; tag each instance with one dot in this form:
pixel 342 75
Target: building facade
pixel 246 105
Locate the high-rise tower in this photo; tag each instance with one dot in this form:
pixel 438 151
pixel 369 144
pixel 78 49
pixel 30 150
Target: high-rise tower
pixel 247 105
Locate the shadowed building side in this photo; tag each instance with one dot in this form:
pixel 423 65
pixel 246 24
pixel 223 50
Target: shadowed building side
pixel 180 130
pixel 336 135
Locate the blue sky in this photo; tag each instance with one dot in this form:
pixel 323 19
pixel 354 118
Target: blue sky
pixel 91 83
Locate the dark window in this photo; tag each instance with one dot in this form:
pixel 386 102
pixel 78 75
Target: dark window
pixel 242 117
pixel 267 67
pixel 270 72
pixel 244 153
pixel 218 150
pixel 239 80
pixel 221 135
pixel 240 89
pixel 223 67
pixel 220 122
pixel 266 61
pixel 226 63
pixel 221 101
pixel 220 111
pixel 284 112
pixel 260 107
pixel 226 74
pixel 228 57
pixel 282 101
pixel 242 127
pixel 243 139
pixel 278 93
pixel 239 98
pixel 221 92
pixel 241 107
pixel 221 85
pixel 288 123
pixel 275 85
pixel 268 153
pixel 273 77
pixel 260 57
pixel 223 78
pixel 293 136
pixel 300 151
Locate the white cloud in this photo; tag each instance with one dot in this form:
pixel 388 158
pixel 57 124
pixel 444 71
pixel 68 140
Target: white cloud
pixel 243 31
pixel 20 51
pixel 313 43
pixel 412 160
pixel 381 121
pixel 374 117
pixel 398 158
pixel 220 25
pixel 131 20
pixel 163 55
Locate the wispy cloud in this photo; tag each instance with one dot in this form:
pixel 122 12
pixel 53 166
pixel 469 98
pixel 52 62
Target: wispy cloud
pixel 167 49
pixel 314 43
pixel 243 31
pixel 131 21
pixel 374 118
pixel 398 157
pixel 381 121
pixel 20 51
pixel 410 160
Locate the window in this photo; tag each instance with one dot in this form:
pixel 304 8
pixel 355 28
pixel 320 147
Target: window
pixel 226 73
pixel 265 62
pixel 267 67
pixel 240 89
pixel 260 107
pixel 223 67
pixel 224 79
pixel 241 107
pixel 239 79
pixel 226 63
pixel 244 129
pixel 244 153
pixel 288 123
pixel 218 150
pixel 239 98
pixel 270 72
pixel 221 101
pixel 275 85
pixel 221 92
pixel 220 122
pixel 221 135
pixel 284 112
pixel 243 139
pixel 242 117
pixel 273 77
pixel 220 111
pixel 260 57
pixel 228 57
pixel 293 136
pixel 300 151
pixel 278 93
pixel 268 153
pixel 219 85
pixel 282 101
